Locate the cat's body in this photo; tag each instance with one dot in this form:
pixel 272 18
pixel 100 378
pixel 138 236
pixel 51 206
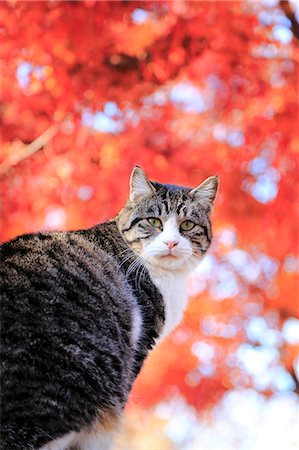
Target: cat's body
pixel 82 309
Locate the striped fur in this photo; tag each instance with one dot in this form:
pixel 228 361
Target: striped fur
pixel 80 310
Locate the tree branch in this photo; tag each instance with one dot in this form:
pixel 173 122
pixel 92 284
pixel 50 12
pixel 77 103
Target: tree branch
pixel 287 9
pixel 30 149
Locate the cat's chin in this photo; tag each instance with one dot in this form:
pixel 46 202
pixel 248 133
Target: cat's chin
pixel 168 262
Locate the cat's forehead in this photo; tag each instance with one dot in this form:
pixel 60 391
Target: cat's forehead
pixel 171 195
pixel 171 189
pixel 169 199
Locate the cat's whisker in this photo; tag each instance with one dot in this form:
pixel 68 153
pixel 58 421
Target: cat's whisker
pixel 143 272
pixel 133 266
pixel 126 259
pixel 138 276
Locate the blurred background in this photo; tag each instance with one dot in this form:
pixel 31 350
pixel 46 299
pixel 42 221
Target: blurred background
pixel 185 90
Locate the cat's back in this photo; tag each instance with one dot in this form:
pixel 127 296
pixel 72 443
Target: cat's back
pixel 66 315
pixel 49 279
pixel 45 253
pixel 35 263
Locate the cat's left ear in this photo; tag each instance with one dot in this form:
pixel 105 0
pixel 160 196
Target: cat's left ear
pixel 206 192
pixel 140 186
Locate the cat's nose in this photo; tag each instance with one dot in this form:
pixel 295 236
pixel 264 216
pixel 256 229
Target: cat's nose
pixel 171 244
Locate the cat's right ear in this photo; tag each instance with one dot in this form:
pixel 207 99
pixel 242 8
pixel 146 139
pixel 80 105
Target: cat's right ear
pixel 140 186
pixel 206 192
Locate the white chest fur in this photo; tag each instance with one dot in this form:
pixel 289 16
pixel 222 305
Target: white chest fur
pixel 173 287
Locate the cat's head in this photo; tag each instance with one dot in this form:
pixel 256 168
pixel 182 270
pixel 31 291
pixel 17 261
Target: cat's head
pixel 168 226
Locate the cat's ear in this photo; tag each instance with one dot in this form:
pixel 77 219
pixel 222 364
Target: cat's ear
pixel 140 186
pixel 206 192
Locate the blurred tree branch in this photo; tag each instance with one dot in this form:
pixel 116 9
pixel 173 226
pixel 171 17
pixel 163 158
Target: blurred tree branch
pixel 287 9
pixel 30 149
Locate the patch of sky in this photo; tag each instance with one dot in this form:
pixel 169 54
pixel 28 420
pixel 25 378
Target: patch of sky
pixel 187 97
pixel 243 419
pixel 225 286
pixel 272 318
pixel 258 331
pixel 282 34
pixel 55 218
pixel 227 237
pixel 193 378
pixel 214 82
pixel 196 285
pixel 268 151
pixel 290 331
pixel 203 351
pixel 181 335
pixel 269 3
pixel 181 427
pixel 111 110
pixel 254 422
pixel 274 17
pixel 266 186
pixel 181 420
pixel 132 116
pixel 257 360
pixel 258 165
pixel 159 98
pixel 236 138
pixel 207 370
pixel 139 16
pixel 23 74
pixel 24 71
pixel 212 327
pixel 220 132
pixel 244 264
pixel 252 309
pixel 277 81
pixel 269 51
pixel 238 258
pixel 268 265
pixel 265 18
pixel 269 112
pixel 291 264
pixel 101 121
pixel 255 328
pixel 280 18
pixel 241 407
pixel 281 380
pixel 207 265
pixel 202 274
pixel 85 193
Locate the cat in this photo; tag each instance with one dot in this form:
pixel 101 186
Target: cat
pixel 80 311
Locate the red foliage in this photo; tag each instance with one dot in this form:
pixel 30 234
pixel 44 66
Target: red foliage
pixel 198 88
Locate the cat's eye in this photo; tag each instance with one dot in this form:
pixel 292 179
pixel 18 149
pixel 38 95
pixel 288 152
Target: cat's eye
pixel 155 222
pixel 187 225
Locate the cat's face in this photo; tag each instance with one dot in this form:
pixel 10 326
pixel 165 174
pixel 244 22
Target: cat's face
pixel 168 226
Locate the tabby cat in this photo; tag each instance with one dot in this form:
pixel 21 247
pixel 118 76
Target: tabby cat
pixel 80 310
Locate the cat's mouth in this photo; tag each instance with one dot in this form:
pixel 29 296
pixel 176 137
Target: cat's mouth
pixel 169 255
pixel 168 261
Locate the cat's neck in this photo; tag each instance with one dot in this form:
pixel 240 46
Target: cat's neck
pixel 173 287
